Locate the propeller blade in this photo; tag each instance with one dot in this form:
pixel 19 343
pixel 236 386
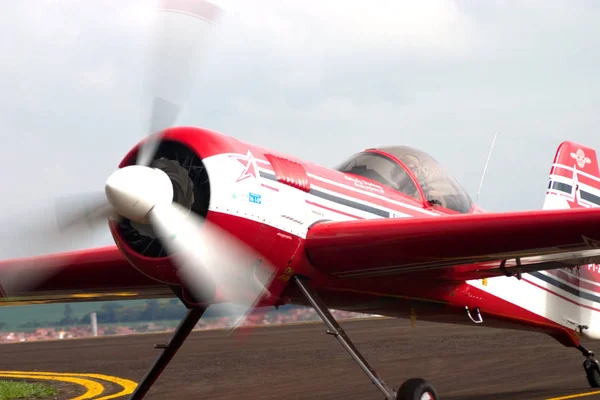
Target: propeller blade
pixel 79 219
pixel 183 29
pixel 83 210
pixel 210 259
pixel 182 33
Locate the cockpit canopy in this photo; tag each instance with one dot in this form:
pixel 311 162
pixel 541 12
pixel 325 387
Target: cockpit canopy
pixel 438 186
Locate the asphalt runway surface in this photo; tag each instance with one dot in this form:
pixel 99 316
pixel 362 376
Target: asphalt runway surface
pixel 301 362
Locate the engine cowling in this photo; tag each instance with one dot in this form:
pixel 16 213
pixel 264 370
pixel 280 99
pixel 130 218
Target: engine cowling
pixel 182 163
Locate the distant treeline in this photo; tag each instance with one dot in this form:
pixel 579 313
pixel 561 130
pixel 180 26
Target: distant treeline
pixel 111 313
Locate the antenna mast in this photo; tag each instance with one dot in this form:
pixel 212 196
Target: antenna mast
pixel 486 165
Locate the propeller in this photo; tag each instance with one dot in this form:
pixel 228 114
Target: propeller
pixel 210 261
pixel 182 33
pixel 208 258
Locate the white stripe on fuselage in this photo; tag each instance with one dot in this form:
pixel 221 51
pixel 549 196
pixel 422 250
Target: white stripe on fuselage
pixel 363 192
pixel 579 172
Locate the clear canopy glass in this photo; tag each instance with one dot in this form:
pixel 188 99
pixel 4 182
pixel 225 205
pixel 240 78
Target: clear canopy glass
pixel 436 182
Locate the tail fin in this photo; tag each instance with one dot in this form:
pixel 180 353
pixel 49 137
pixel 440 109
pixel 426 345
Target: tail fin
pixel 574 178
pixel 573 293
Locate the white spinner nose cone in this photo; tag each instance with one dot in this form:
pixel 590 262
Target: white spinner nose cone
pixel 135 189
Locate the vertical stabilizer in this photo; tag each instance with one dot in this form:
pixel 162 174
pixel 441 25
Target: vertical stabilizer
pixel 574 178
pixel 573 293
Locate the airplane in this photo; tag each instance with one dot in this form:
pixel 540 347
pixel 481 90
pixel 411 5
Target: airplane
pixel 210 219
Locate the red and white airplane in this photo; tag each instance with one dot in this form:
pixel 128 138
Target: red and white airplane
pixel 212 219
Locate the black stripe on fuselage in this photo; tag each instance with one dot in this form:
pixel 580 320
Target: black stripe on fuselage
pixel 592 198
pixel 336 199
pixel 568 189
pixel 567 288
pixel 562 187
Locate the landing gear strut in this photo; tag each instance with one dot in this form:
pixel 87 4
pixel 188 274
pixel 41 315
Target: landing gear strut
pixel 413 389
pixel 169 349
pixel 591 367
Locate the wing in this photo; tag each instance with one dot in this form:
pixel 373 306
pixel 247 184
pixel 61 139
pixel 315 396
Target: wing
pixel 89 275
pixel 458 246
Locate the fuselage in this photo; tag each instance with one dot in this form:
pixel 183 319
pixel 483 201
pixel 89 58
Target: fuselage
pixel 270 200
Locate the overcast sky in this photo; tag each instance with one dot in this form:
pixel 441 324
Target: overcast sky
pixel 316 79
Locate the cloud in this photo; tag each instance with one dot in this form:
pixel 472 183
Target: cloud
pixel 524 70
pixel 101 77
pixel 336 25
pixel 320 80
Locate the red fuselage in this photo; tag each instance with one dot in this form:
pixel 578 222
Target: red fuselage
pixel 332 195
pixel 293 195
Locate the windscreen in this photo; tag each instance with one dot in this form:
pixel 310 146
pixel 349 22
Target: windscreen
pixel 438 185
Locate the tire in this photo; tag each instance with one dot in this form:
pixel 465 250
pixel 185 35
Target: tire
pixel 592 373
pixel 416 389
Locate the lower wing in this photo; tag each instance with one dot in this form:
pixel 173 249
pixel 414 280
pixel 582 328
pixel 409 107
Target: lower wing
pixel 88 275
pixel 455 247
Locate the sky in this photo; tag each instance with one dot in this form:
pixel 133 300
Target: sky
pixel 320 80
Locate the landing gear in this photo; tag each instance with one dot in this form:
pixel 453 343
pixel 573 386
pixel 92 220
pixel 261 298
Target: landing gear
pixel 591 367
pixel 416 389
pixel 413 389
pixel 169 349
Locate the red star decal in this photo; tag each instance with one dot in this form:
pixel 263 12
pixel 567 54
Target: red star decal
pixel 249 164
pixel 574 204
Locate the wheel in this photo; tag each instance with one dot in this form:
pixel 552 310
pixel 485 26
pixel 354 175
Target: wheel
pixel 592 372
pixel 416 389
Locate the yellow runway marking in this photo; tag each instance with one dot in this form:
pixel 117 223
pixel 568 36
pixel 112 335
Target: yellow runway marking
pixel 575 396
pixel 127 385
pixel 93 388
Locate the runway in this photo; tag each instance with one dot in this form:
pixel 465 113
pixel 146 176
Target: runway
pixel 301 362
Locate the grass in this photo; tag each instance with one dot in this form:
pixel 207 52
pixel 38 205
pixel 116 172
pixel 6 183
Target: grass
pixel 12 390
